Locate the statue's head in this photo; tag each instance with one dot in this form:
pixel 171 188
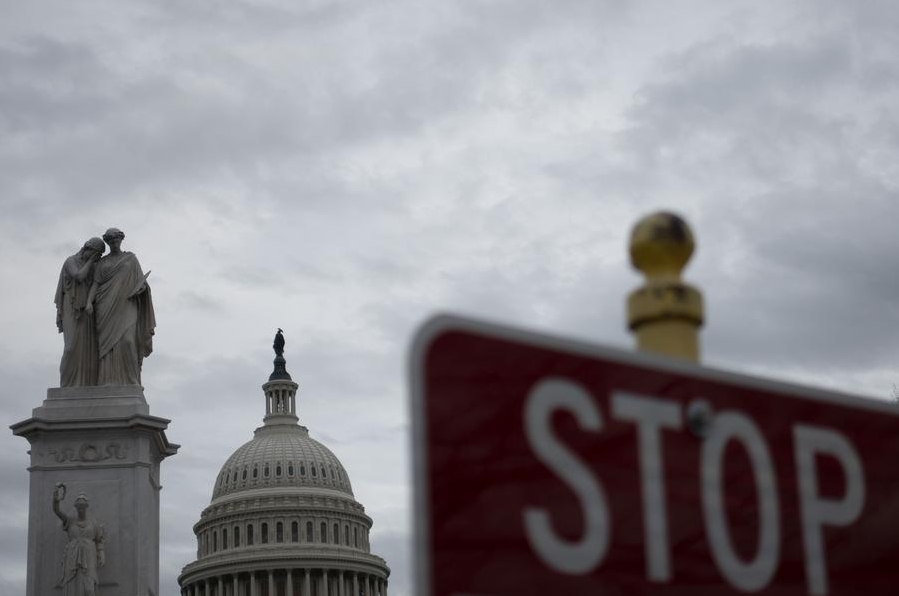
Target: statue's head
pixel 81 502
pixel 95 244
pixel 113 234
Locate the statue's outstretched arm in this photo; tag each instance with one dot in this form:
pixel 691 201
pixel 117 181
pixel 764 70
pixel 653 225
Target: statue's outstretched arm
pixel 58 494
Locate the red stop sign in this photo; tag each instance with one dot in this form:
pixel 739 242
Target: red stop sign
pixel 549 466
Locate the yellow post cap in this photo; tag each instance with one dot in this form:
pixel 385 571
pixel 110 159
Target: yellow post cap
pixel 661 246
pixel 665 313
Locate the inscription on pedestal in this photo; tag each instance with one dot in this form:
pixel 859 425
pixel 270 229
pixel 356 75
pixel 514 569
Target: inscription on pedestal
pixel 89 452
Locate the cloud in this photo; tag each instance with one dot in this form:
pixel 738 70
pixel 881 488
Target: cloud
pixel 342 170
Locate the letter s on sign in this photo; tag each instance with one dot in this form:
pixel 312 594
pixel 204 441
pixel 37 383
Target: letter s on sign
pixel 576 557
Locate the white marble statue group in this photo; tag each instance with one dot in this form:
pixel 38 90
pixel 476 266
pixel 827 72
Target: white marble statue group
pixel 105 312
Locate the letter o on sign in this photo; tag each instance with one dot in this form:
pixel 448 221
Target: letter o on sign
pixel 757 573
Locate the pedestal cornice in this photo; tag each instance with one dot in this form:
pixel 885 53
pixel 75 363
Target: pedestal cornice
pixel 109 408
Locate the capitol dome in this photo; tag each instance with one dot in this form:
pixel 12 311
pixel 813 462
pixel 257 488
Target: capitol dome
pixel 283 520
pixel 281 456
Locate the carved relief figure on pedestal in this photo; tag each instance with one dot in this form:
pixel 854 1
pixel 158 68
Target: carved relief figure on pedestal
pixel 120 298
pixel 84 553
pixel 79 363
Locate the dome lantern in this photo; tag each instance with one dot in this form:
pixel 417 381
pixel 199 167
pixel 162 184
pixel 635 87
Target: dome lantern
pixel 280 390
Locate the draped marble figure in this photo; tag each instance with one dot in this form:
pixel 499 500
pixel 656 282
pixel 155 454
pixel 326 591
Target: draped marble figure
pixel 84 553
pixel 78 366
pixel 123 313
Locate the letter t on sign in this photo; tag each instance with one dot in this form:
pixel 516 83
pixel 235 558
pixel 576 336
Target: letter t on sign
pixel 651 415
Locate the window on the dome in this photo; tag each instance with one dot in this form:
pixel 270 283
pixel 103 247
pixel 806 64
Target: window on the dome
pixel 355 537
pixel 256 471
pixel 264 537
pixel 278 469
pixel 224 538
pixel 279 532
pixel 309 536
pixel 324 532
pixel 290 469
pixel 249 534
pixel 237 537
pixel 346 535
pixel 294 532
pixel 265 471
pixel 324 472
pixel 336 534
pixel 302 470
pixel 244 475
pixel 313 472
pixel 215 541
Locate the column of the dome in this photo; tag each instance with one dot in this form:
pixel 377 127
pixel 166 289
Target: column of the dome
pixel 254 588
pixel 355 583
pixel 234 585
pixel 288 588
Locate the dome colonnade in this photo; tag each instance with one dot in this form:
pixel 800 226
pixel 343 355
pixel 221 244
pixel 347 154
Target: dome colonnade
pixel 283 520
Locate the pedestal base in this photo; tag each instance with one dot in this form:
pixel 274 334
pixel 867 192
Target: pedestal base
pixel 103 442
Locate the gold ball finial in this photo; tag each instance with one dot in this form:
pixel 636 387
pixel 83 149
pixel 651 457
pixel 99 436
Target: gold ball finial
pixel 664 313
pixel 661 246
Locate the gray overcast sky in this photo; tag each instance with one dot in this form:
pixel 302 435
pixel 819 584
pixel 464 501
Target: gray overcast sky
pixel 342 169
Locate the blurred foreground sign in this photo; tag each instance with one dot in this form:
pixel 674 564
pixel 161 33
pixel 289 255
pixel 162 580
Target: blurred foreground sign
pixel 547 466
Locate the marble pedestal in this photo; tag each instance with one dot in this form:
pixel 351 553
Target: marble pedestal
pixel 101 441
